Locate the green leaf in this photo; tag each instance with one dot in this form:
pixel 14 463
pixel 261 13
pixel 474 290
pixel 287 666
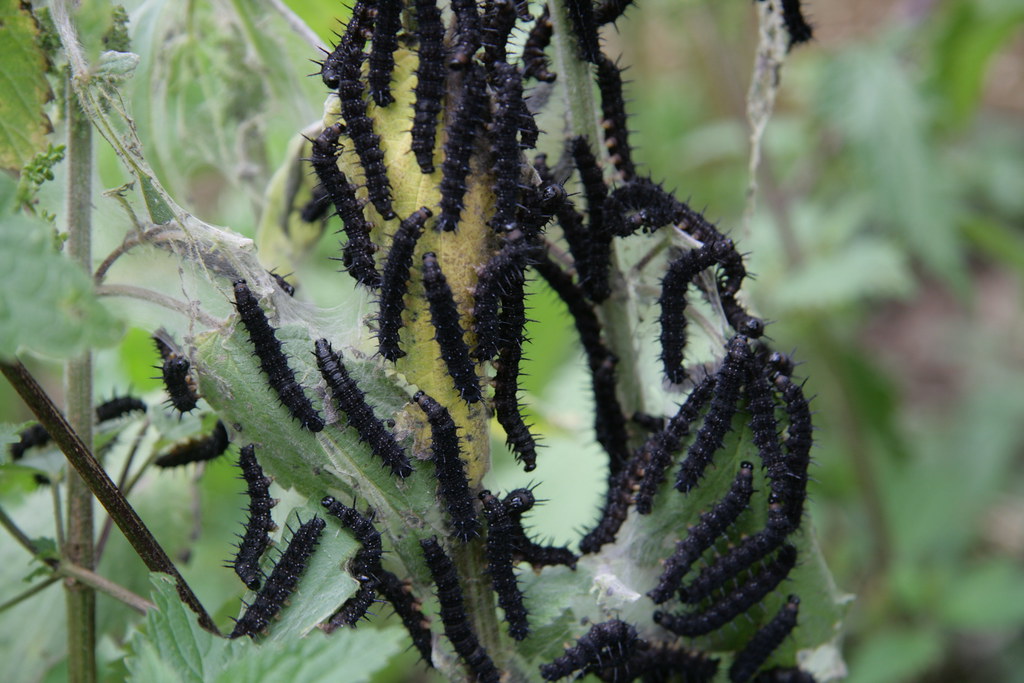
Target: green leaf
pixel 47 303
pixel 172 647
pixel 23 89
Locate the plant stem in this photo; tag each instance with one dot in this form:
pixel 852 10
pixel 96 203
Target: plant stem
pixel 78 547
pixel 127 520
pixel 620 310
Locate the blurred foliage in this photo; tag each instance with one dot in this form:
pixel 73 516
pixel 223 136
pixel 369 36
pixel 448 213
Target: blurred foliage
pixel 888 243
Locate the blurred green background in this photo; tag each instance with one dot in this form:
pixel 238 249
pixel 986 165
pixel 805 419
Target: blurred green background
pixel 888 241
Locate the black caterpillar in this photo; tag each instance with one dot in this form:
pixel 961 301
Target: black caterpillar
pixel 365 565
pixel 450 470
pixel 457 626
pixel 382 54
pixel 430 74
pixel 765 641
pixel 259 525
pixel 358 250
pixel 273 362
pixel 448 332
pixel 352 401
pixel 500 533
pixel 282 580
pixel 198 449
pixel 718 421
pixel 181 387
pixel 395 283
pixel 458 148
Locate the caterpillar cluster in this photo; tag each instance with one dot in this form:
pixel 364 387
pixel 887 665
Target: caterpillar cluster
pixel 469 81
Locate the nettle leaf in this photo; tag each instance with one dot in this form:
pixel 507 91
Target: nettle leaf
pixel 47 302
pixel 24 89
pixel 172 647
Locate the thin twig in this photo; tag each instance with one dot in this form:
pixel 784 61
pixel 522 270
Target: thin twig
pixel 26 594
pixel 14 530
pixel 296 24
pixel 134 529
pixel 105 585
pixel 159 299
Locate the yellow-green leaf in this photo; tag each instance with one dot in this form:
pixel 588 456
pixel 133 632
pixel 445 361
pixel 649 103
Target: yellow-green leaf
pixel 23 87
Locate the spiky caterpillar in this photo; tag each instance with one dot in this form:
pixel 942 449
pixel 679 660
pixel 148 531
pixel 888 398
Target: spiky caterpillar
pixel 36 435
pixel 174 371
pixel 458 148
pixel 498 22
pixel 468 33
pixel 356 607
pixel 457 627
pixel 535 62
pixel 613 117
pixel 359 28
pixel 196 450
pixel 500 530
pixel 259 525
pixel 798 444
pixel 728 566
pixel 282 580
pixel 506 383
pixel 448 332
pixel 797 27
pixel 764 642
pixel 358 250
pixel 517 503
pixel 662 662
pixel 286 287
pixel 660 447
pixel 395 283
pixel 365 565
pixel 681 272
pixel 430 74
pixel 784 674
pixel 360 126
pixel 382 53
pixel 407 607
pixel 704 533
pixel 450 470
pixel 609 644
pixel 617 500
pixel 501 278
pixel 734 604
pixel 718 421
pixel 610 11
pixel 273 362
pixel 506 119
pixel 596 257
pixel 352 401
pixel 765 429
